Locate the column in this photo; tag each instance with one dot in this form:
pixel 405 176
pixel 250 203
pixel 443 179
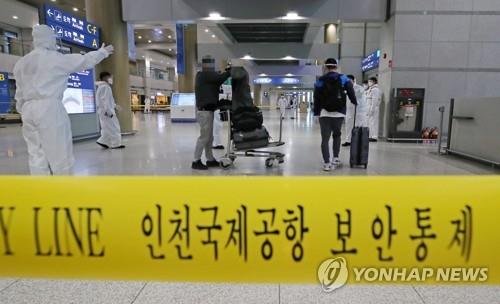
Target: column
pixel 189 52
pixel 107 15
pixel 257 94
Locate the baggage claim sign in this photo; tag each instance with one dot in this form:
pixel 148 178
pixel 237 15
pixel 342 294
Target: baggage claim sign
pixel 72 29
pixel 239 229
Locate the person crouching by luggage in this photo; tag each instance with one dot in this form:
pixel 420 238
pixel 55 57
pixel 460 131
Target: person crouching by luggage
pixel 330 105
pixel 207 84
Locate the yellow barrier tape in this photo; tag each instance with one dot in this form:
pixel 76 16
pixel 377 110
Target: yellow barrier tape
pixel 251 229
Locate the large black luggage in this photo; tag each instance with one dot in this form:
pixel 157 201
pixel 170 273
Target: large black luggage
pixel 360 145
pixel 257 138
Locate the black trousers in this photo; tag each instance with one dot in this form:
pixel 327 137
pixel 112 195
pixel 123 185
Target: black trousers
pixel 330 127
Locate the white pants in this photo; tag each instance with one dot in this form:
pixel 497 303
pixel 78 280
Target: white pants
pixel 110 131
pixel 373 121
pixel 47 132
pixel 217 129
pixel 283 112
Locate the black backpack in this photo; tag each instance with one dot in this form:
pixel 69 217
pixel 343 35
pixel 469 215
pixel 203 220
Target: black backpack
pixel 332 97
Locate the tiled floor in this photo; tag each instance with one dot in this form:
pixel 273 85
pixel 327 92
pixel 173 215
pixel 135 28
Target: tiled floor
pixel 162 148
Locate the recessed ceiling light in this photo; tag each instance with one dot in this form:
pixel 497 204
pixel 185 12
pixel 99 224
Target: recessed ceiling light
pixel 170 50
pixel 75 9
pixel 215 16
pixel 149 41
pixel 15 17
pixel 292 16
pixel 143 57
pixel 169 36
pixel 247 57
pixel 263 75
pixel 289 75
pixel 53 0
pixel 206 30
pixel 279 87
pixel 288 58
pixel 213 36
pixel 140 37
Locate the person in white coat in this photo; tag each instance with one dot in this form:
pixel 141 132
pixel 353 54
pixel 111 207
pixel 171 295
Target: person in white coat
pixel 361 111
pixel 294 104
pixel 217 131
pixel 111 136
pixel 373 98
pixel 147 105
pixel 283 105
pixel 41 79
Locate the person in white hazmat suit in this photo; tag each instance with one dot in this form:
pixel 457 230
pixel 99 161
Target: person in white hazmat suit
pixel 361 111
pixel 111 136
pixel 373 99
pixel 283 105
pixel 41 79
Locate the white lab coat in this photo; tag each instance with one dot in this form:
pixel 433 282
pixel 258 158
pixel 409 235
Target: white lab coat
pixel 295 104
pixel 283 105
pixel 374 98
pixel 361 113
pixel 41 79
pixel 217 129
pixel 110 126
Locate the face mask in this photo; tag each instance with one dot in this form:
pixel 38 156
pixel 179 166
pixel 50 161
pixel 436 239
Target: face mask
pixel 365 86
pixel 110 81
pixel 370 83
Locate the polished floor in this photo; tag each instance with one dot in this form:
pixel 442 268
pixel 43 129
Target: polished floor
pixel 163 148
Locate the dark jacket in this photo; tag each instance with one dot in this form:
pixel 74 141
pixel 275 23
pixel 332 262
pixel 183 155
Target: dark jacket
pixel 207 85
pixel 348 90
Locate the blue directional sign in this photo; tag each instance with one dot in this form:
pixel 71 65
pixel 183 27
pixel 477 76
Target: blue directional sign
pixel 72 29
pixel 4 93
pixel 181 66
pixel 371 61
pixel 276 80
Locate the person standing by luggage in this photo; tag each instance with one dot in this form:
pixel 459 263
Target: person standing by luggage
pixel 294 105
pixel 360 111
pixel 330 95
pixel 207 85
pixel 373 98
pixel 283 104
pixel 111 136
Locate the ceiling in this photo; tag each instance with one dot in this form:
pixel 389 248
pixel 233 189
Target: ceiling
pixel 266 32
pixel 277 62
pixel 66 5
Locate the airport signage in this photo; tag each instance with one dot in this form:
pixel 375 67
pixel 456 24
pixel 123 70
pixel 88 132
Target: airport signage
pixel 71 29
pixel 371 61
pixel 4 93
pixel 181 67
pixel 276 80
pixel 79 95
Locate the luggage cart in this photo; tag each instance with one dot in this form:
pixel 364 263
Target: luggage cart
pixel 272 158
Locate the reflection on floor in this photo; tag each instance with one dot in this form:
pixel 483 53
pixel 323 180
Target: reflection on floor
pixel 163 148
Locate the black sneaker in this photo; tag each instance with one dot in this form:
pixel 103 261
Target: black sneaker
pixel 119 147
pixel 346 144
pixel 213 164
pixel 218 147
pixel 198 165
pixel 102 145
pixel 373 140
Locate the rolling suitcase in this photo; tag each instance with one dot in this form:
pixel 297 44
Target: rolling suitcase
pixel 360 144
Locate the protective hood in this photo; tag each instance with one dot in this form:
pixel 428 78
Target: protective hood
pixel 44 37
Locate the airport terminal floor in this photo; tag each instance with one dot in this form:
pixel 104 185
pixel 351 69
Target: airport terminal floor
pixel 164 148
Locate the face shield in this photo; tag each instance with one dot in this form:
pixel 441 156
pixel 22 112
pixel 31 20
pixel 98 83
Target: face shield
pixel 44 37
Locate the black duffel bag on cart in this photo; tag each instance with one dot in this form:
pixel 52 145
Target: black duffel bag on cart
pixel 257 138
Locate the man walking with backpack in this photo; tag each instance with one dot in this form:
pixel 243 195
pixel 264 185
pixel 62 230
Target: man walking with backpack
pixel 330 95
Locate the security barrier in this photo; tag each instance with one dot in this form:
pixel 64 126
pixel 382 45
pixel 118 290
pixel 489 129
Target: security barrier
pixel 242 229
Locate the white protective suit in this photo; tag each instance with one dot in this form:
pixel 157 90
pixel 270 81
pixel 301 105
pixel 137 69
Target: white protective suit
pixel 283 105
pixel 41 78
pixel 374 98
pixel 110 127
pixel 361 112
pixel 217 129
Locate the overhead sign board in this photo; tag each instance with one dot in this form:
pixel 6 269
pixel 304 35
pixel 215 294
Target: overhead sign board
pixel 72 29
pixel 371 61
pixel 276 80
